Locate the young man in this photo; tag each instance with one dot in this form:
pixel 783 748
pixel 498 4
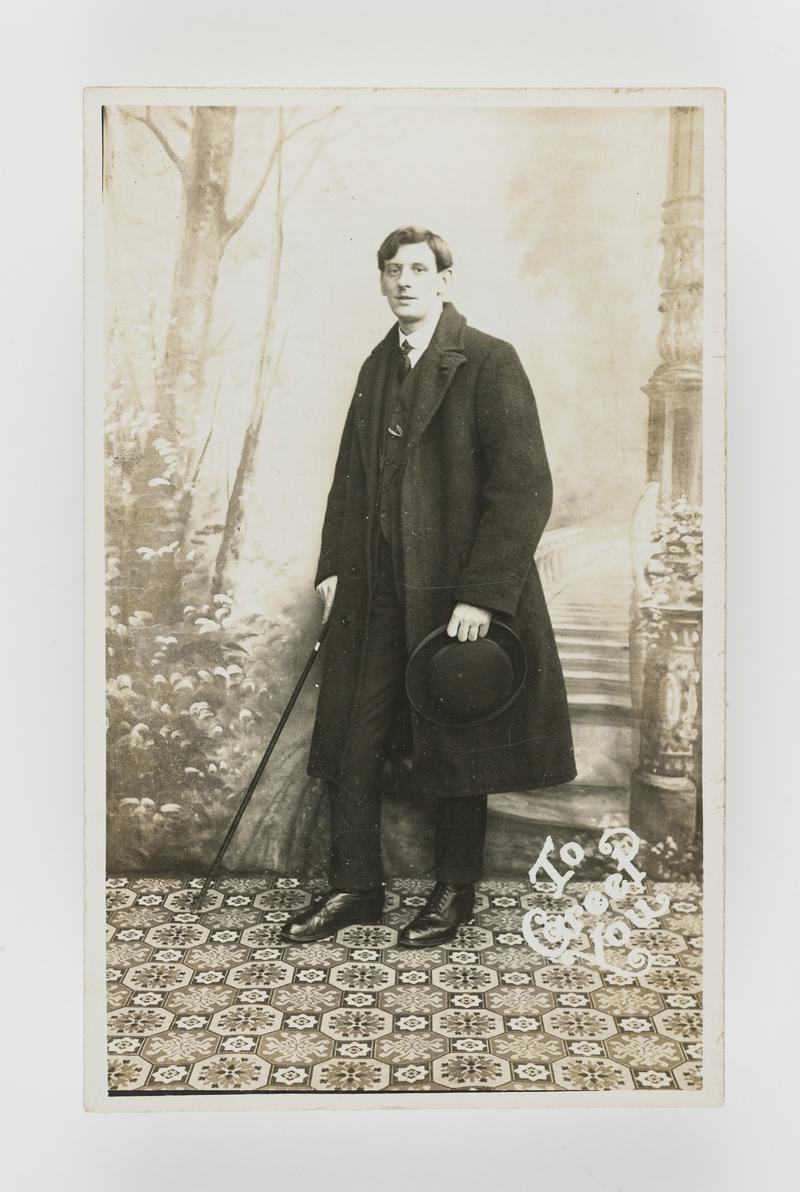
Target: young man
pixel 440 494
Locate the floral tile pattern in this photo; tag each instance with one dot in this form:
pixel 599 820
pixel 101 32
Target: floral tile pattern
pixel 209 1000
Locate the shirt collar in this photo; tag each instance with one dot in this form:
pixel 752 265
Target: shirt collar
pixel 419 339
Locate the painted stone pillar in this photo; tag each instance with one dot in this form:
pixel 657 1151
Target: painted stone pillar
pixel 667 623
pixel 674 439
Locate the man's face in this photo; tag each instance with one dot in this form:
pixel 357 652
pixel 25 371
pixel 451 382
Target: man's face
pixel 412 283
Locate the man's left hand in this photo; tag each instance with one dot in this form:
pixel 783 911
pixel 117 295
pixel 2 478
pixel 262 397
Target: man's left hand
pixel 468 623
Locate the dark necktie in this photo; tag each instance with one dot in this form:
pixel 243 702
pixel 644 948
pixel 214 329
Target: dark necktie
pixel 404 364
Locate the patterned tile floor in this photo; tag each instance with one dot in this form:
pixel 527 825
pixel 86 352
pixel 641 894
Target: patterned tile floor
pixel 211 1002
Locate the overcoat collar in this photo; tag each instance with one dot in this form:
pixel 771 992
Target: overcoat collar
pixel 447 348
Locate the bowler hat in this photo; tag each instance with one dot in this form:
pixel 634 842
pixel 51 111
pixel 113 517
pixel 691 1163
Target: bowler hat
pixel 456 684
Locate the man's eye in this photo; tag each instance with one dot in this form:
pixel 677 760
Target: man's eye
pixel 420 269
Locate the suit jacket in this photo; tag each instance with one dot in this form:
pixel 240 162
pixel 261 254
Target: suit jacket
pixel 476 493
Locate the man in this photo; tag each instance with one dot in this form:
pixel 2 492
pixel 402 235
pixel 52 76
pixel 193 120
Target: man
pixel 440 494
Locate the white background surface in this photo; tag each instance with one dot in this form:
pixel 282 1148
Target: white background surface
pixel 51 51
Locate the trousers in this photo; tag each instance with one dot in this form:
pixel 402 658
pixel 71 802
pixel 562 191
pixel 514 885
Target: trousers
pixel 460 824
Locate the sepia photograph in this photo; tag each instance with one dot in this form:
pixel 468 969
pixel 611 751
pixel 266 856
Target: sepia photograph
pixel 405 444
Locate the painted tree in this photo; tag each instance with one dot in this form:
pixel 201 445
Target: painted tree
pixel 241 494
pixel 162 519
pixel 206 230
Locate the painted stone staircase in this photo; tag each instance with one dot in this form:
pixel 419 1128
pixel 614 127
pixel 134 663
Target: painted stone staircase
pixel 592 642
pixel 590 616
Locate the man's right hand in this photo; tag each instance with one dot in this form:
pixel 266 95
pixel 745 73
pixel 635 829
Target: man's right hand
pixel 327 590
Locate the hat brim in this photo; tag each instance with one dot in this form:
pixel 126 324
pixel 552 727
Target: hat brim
pixel 420 661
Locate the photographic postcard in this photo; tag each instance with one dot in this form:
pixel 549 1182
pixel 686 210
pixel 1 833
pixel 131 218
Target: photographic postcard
pixel 454 359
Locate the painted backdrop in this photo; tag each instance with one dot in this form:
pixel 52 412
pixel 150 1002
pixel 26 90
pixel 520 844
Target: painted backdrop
pixel 241 297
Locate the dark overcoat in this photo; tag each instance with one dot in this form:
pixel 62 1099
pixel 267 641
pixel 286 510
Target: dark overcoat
pixel 476 494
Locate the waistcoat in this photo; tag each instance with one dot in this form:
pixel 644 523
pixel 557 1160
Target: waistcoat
pixel 398 403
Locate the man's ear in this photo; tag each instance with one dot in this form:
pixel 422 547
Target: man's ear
pixel 444 279
pixel 383 285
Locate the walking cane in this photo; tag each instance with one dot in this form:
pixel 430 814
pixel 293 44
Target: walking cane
pixel 212 873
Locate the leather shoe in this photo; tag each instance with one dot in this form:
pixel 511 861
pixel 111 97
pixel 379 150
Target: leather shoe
pixel 447 908
pixel 330 912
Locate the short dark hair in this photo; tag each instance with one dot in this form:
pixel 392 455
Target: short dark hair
pixel 413 235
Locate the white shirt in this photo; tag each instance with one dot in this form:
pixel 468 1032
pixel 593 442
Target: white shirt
pixel 419 339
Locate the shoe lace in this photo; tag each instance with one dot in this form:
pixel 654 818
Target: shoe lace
pixel 438 898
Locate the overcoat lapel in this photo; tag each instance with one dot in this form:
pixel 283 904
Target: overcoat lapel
pixel 447 346
pixel 369 403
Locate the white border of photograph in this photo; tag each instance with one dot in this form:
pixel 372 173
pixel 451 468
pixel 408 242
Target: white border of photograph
pixel 713 103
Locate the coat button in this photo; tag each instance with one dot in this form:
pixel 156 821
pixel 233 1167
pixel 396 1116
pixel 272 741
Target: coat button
pixel 345 620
